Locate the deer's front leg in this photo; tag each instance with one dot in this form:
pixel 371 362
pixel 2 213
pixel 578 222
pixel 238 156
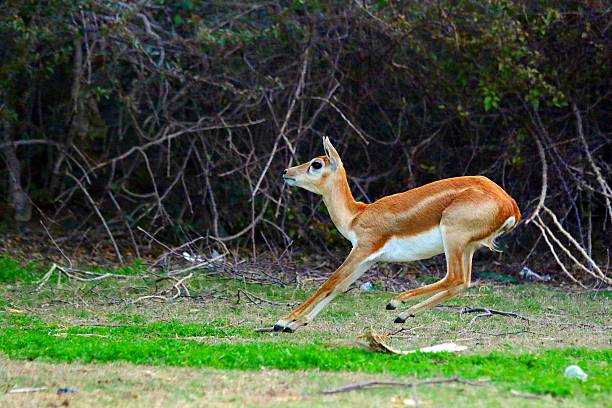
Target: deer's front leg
pixel 353 267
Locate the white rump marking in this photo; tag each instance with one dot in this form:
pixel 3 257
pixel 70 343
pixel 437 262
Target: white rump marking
pixel 509 223
pixel 489 241
pixel 411 248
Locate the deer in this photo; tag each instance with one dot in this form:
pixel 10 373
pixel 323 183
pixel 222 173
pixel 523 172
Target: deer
pixel 454 216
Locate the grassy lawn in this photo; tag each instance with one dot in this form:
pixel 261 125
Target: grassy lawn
pixel 204 348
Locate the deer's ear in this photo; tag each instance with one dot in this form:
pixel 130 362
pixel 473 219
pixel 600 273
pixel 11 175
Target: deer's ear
pixel 332 154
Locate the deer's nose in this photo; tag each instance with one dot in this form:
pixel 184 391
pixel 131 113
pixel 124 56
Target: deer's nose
pixel 284 173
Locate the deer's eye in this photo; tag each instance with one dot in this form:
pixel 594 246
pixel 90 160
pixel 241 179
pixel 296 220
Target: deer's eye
pixel 316 165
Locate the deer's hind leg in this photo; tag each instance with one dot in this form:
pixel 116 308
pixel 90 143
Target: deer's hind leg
pixel 460 283
pixel 463 224
pixel 455 248
pixel 435 287
pixel 456 279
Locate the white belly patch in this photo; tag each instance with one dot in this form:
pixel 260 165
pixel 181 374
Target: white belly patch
pixel 412 248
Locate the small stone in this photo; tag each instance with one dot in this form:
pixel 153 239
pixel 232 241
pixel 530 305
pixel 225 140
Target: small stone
pixel 574 371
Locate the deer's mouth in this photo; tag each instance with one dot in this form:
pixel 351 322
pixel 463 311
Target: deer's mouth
pixel 290 180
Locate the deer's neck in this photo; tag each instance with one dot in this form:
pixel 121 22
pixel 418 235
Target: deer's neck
pixel 342 207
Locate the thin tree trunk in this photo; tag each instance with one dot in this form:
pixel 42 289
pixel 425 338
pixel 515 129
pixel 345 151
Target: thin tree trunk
pixel 76 117
pixel 17 196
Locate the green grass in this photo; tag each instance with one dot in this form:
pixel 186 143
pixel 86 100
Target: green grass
pixel 8 320
pixel 126 318
pixel 12 270
pixel 217 328
pixel 167 343
pixel 136 267
pixel 540 372
pixel 70 322
pixel 170 329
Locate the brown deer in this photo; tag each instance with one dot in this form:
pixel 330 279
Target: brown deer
pixel 453 216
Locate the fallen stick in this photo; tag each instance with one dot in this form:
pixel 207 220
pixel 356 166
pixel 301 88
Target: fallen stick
pixel 504 333
pixel 524 394
pixel 485 312
pixel 259 300
pixel 176 286
pixel 72 273
pixel 27 389
pixel 264 329
pixel 372 384
pixel 378 342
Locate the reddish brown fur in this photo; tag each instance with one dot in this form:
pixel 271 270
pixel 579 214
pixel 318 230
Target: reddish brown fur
pixel 392 213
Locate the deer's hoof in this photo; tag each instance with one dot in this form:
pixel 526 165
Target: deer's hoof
pixel 287 326
pixel 393 304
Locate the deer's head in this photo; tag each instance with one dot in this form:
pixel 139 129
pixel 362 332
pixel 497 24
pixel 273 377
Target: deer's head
pixel 320 174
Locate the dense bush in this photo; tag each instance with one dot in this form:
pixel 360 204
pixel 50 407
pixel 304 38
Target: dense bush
pixel 178 115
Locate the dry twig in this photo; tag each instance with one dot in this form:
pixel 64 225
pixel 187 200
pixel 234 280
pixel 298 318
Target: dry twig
pixel 376 384
pixel 486 312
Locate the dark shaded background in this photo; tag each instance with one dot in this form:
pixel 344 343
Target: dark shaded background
pixel 178 116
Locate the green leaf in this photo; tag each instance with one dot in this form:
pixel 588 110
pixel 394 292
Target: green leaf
pixel 488 103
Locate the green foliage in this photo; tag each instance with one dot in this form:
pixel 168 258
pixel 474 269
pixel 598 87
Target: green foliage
pixel 229 37
pixel 37 43
pixel 474 74
pixel 496 44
